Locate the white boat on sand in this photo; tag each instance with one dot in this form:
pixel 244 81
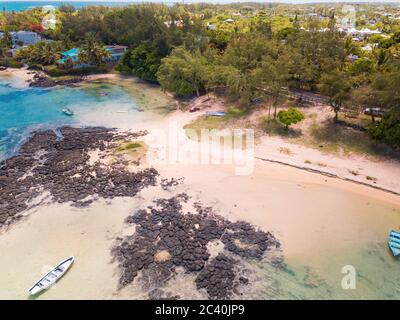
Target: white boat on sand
pixel 51 277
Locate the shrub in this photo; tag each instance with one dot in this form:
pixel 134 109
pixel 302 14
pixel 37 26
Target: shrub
pixel 388 129
pixel 133 145
pixel 10 63
pixel 290 116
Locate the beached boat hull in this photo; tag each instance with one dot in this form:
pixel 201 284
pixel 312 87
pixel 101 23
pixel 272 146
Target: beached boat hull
pixel 68 112
pixel 51 277
pixel 216 114
pixel 394 242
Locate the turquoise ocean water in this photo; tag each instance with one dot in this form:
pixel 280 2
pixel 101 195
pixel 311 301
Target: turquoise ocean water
pixel 26 5
pixel 23 110
pixel 312 272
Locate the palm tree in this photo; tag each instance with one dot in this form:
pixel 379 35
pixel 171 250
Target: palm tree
pixel 44 53
pixel 5 45
pixel 7 39
pixel 92 52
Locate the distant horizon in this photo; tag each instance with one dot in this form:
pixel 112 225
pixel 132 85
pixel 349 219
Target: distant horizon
pixel 220 1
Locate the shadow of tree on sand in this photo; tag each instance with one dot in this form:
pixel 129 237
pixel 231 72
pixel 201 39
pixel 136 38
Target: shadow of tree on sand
pixel 274 128
pixel 334 137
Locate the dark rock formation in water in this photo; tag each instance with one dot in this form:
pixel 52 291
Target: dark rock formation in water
pixel 166 241
pixel 218 277
pixel 61 166
pixel 44 81
pixel 166 238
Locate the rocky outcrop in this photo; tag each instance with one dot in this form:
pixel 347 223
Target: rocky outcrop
pixel 183 237
pixel 43 81
pixel 62 168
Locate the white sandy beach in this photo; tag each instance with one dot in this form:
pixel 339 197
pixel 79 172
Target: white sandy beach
pixel 323 223
pixel 314 217
pixel 18 77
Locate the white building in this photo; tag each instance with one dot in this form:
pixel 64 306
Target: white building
pixel 25 38
pixel 363 33
pixel 210 26
pixel 367 48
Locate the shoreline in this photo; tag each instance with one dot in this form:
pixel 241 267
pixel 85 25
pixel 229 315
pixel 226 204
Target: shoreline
pixel 330 175
pixel 346 168
pixel 20 76
pixel 321 210
pixel 304 227
pixel 350 169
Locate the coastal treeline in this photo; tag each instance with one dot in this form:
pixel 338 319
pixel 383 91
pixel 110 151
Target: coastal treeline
pixel 257 53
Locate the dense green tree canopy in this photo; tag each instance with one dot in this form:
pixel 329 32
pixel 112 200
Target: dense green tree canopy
pixel 183 72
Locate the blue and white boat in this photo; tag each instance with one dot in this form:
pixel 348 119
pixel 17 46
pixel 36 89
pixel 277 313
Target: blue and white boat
pixel 394 242
pixel 68 112
pixel 216 113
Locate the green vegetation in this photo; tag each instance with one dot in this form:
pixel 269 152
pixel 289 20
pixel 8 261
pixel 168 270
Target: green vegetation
pixel 290 116
pixel 247 51
pixel 42 53
pixel 275 128
pixel 387 130
pixel 182 72
pixel 142 62
pixel 130 146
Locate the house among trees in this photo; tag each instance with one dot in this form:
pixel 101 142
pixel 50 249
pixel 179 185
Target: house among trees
pixel 210 26
pixel 23 38
pixel 363 33
pixel 177 23
pixel 115 53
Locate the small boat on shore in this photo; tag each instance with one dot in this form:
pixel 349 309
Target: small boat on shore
pixel 51 277
pixel 216 114
pixel 394 242
pixel 68 112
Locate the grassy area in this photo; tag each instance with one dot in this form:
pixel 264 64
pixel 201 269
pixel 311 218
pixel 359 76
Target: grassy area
pixel 130 147
pixel 359 119
pixel 232 114
pixel 331 137
pixel 326 136
pixel 275 128
pixel 206 122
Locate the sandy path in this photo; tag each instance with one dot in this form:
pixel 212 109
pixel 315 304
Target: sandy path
pixel 384 174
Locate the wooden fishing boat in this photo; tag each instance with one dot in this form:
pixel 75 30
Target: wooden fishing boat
pixel 394 242
pixel 51 277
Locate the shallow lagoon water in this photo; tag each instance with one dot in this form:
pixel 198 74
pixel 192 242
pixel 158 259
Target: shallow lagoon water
pixel 23 109
pixel 322 228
